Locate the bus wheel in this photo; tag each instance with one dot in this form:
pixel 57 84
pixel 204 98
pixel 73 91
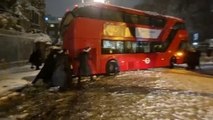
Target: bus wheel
pixel 172 62
pixel 112 67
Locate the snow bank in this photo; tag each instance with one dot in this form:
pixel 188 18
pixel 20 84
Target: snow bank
pixel 38 37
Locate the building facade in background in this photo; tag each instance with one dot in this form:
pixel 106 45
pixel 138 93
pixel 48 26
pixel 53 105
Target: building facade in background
pixel 23 15
pixel 52 28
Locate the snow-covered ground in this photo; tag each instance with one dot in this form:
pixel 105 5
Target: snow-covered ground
pixel 155 94
pixel 14 78
pixel 149 95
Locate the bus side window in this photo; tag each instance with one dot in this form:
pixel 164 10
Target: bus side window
pixel 119 46
pixel 105 50
pixel 112 47
pixel 127 47
pixel 134 47
pixel 157 47
pixel 139 47
pixel 130 47
pixel 106 47
pixel 146 46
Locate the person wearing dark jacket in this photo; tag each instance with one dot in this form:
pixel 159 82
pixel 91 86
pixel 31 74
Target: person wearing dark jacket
pixel 62 74
pixel 84 67
pixel 47 70
pixel 36 58
pixel 193 59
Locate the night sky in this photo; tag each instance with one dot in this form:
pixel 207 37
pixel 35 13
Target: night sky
pixel 57 8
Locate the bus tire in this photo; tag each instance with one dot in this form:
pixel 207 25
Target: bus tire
pixel 112 68
pixel 172 62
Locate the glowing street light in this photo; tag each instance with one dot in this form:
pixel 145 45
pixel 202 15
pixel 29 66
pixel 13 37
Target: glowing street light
pixel 46 18
pixel 101 1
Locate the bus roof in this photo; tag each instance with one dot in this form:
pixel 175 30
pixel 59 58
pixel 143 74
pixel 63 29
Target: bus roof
pixel 128 10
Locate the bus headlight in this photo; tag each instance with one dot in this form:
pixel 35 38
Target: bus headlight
pixel 179 54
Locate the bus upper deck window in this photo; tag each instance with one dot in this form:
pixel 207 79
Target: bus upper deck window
pixel 90 12
pixel 133 19
pixel 179 26
pixel 157 22
pixel 108 14
pixel 144 20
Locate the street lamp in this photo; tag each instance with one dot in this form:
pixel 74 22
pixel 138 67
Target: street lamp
pixel 46 18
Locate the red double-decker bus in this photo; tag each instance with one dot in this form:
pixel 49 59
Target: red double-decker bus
pixel 122 38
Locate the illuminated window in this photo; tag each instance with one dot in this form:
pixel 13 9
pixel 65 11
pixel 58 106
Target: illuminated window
pixel 112 47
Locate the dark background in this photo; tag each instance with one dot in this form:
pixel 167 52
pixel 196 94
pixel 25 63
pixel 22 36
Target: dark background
pixel 198 14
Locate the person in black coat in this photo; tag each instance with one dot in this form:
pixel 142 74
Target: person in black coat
pixel 62 74
pixel 47 70
pixel 84 67
pixel 193 59
pixel 36 58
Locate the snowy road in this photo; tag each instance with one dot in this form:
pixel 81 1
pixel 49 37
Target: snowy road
pixel 155 94
pixel 148 95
